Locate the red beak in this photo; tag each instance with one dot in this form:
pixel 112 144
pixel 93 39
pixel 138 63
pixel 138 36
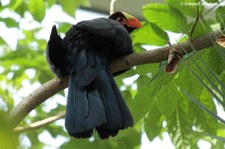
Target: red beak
pixel 132 21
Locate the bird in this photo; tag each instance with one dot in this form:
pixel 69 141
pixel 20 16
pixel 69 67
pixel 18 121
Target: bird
pixel 94 101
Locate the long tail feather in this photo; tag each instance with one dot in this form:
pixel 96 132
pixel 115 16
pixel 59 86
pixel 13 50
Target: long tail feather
pixel 94 100
pixel 118 114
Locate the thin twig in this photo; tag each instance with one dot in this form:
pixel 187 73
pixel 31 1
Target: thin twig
pixel 40 123
pixel 196 21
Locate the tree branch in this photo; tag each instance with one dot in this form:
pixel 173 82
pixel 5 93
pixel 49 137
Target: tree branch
pixel 161 54
pixel 40 123
pixel 18 113
pixel 33 100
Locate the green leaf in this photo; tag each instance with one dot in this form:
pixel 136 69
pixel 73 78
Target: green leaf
pixel 64 27
pixel 191 85
pixel 203 107
pixel 9 22
pixel 218 145
pixel 222 76
pixel 146 96
pixel 37 9
pixel 202 28
pixel 129 138
pixel 69 6
pixel 22 8
pixel 14 4
pixel 8 139
pixel 127 74
pixel 153 122
pixel 127 94
pixel 142 81
pixel 2 41
pixel 150 34
pixel 33 138
pixel 138 47
pixel 7 98
pixel 202 120
pixel 142 103
pixel 214 57
pixel 146 69
pixel 211 1
pixel 186 7
pixel 166 17
pixel 51 3
pixel 179 125
pixel 220 16
pixel 166 99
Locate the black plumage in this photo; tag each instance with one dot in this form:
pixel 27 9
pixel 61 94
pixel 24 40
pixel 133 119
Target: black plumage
pixel 94 101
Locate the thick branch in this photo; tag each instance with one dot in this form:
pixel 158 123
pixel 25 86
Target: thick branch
pixel 40 123
pixel 33 100
pixel 17 114
pixel 161 54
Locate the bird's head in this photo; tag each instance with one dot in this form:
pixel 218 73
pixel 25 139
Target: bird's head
pixel 128 21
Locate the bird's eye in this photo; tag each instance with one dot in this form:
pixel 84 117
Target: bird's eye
pixel 120 19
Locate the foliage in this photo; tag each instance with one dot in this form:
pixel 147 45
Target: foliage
pixel 8 139
pixel 155 98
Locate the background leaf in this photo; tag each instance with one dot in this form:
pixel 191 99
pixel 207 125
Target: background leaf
pixel 166 100
pixel 186 7
pixel 8 139
pixel 9 22
pixel 37 9
pixel 165 16
pixel 150 34
pixel 153 122
pixel 69 6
